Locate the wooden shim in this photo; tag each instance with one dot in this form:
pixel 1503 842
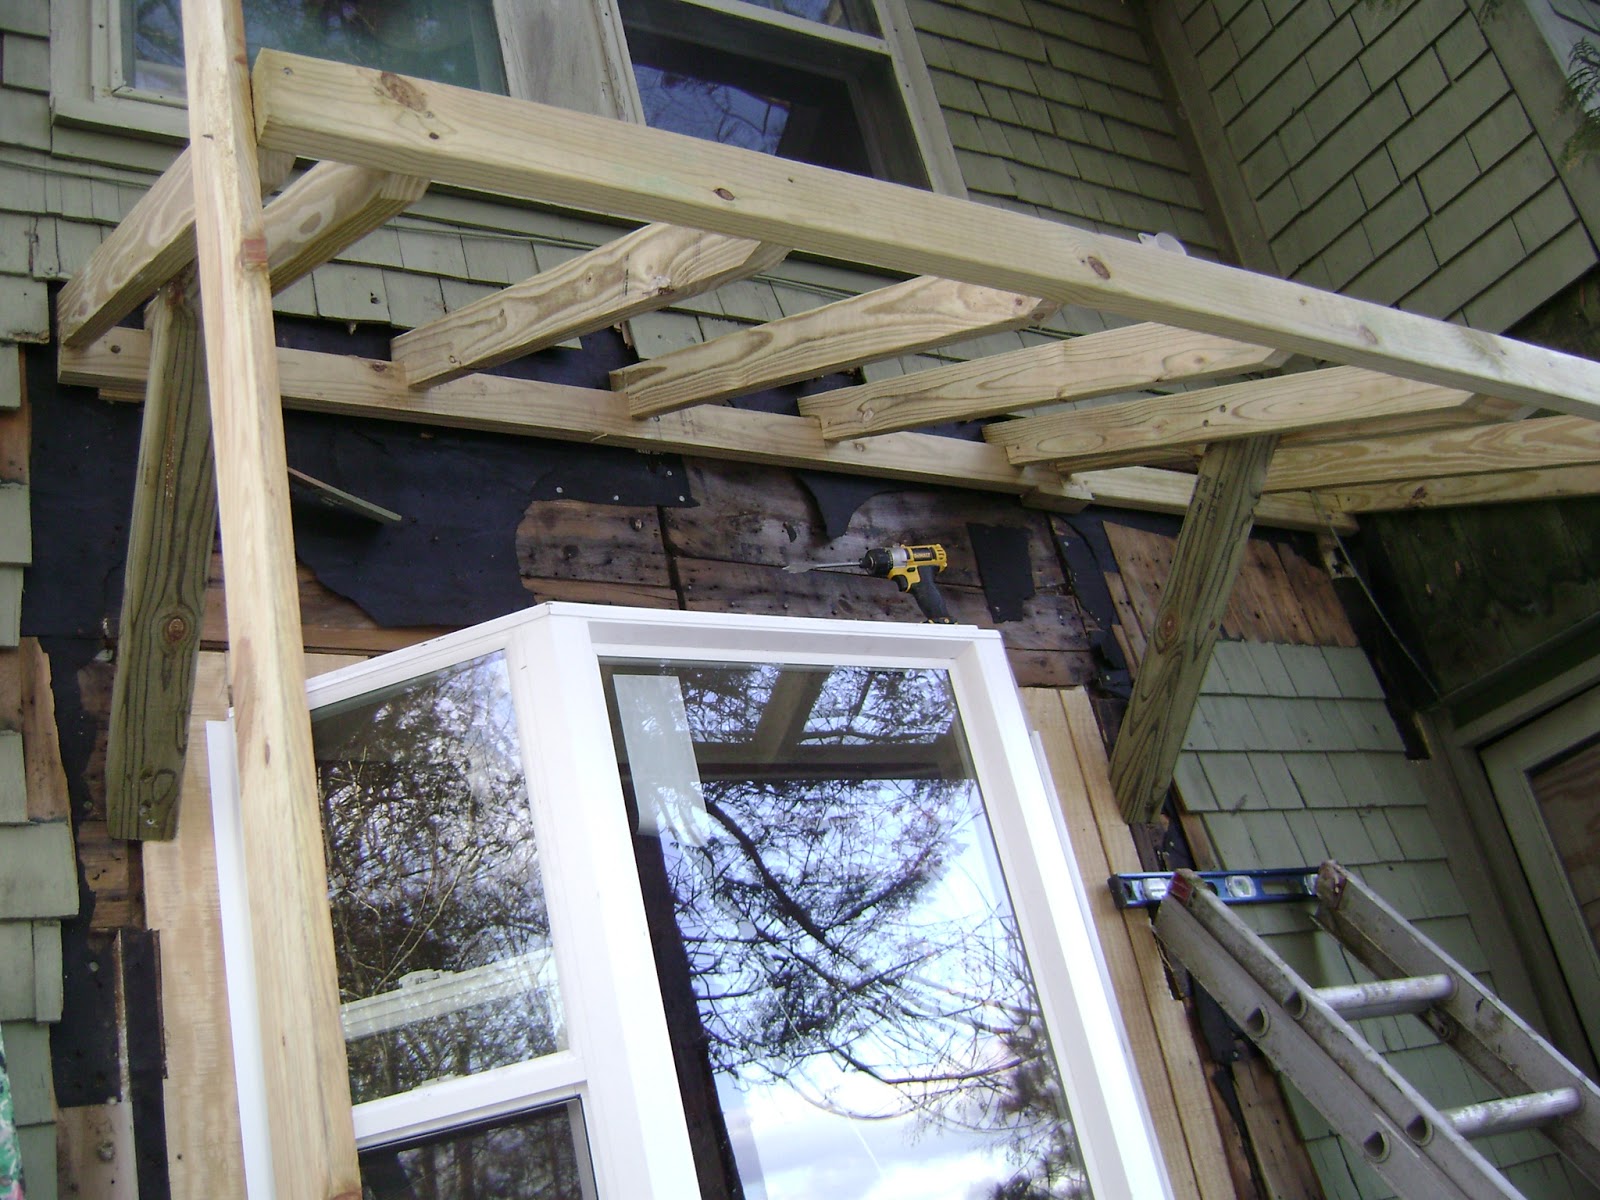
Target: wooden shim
pixel 343 384
pixel 1185 1071
pixel 641 271
pixel 330 207
pixel 170 534
pixel 903 318
pixel 1133 430
pixel 307 1089
pixel 48 799
pixel 152 244
pixel 1534 444
pixel 1501 487
pixel 472 139
pixel 1080 368
pixel 1205 565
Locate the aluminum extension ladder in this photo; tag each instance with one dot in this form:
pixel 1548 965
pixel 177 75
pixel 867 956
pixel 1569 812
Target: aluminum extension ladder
pixel 1418 1150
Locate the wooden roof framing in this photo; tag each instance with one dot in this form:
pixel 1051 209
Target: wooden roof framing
pixel 720 213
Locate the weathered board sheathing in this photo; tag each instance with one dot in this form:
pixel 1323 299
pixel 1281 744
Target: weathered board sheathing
pixel 1386 152
pixel 1292 759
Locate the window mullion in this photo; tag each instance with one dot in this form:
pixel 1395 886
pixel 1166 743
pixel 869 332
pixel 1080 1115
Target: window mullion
pixel 634 1118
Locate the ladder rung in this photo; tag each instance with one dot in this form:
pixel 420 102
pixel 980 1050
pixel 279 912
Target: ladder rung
pixel 1387 997
pixel 1508 1115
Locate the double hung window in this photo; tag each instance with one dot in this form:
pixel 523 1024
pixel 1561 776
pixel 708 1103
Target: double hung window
pixel 838 83
pixel 630 905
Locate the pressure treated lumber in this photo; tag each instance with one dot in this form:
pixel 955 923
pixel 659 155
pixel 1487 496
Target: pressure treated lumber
pixel 638 272
pixel 1210 548
pixel 152 244
pixel 170 538
pixel 472 139
pixel 1080 368
pixel 1119 941
pixel 307 1090
pixel 1535 444
pixel 347 385
pixel 328 208
pixel 1137 430
pixel 1497 487
pixel 1152 489
pixel 903 318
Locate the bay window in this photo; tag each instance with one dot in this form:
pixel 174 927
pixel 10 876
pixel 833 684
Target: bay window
pixel 633 904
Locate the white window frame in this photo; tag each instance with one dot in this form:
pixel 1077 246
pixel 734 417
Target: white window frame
pixel 619 1062
pixel 87 88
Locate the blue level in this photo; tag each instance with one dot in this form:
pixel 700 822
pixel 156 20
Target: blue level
pixel 1274 885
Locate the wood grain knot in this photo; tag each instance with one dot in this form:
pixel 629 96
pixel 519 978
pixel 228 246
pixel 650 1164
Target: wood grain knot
pixel 1168 629
pixel 401 90
pixel 724 193
pixel 1098 267
pixel 175 630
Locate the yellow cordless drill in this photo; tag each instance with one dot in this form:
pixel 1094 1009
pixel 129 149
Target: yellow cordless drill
pixel 912 568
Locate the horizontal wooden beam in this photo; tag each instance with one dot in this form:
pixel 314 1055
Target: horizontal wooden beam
pixel 903 318
pixel 1134 431
pixel 1153 489
pixel 322 212
pixel 1535 444
pixel 337 383
pixel 1497 487
pixel 1080 368
pixel 472 139
pixel 328 208
pixel 638 272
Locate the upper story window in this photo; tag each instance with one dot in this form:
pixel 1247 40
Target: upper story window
pixel 837 83
pixel 452 41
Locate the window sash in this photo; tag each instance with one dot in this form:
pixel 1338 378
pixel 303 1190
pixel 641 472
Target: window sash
pixel 619 1063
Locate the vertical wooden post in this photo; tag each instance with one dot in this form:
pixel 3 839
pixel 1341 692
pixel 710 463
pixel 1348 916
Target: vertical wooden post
pixel 308 1091
pixel 164 581
pixel 1205 565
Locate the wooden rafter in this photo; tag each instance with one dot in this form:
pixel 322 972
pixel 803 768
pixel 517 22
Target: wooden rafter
pixel 163 596
pixel 1535 444
pixel 344 384
pixel 148 247
pixel 328 208
pixel 1135 430
pixel 1495 487
pixel 638 272
pixel 471 139
pixel 305 1077
pixel 1080 368
pixel 903 318
pixel 317 216
pixel 1205 565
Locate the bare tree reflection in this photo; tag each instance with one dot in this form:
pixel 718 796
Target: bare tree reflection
pixel 845 923
pixel 433 873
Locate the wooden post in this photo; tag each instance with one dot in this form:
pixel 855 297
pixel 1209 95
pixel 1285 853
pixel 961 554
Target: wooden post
pixel 307 1087
pixel 164 580
pixel 1204 567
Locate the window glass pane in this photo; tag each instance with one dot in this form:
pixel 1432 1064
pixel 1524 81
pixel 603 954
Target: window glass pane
pixel 853 16
pixel 534 1156
pixel 439 918
pixel 747 101
pixel 851 1009
pixel 452 41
